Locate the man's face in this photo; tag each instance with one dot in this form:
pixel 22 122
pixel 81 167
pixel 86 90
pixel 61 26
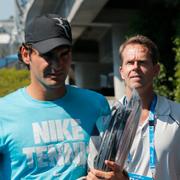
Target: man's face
pixel 50 70
pixel 137 69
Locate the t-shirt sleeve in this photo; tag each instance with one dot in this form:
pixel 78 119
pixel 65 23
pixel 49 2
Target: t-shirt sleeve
pixel 1 136
pixel 1 124
pixel 100 126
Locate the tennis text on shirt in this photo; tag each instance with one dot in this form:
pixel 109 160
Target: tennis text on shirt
pixel 46 153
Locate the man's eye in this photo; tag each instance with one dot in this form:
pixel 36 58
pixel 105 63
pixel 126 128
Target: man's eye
pixel 141 62
pixel 129 62
pixel 65 53
pixel 46 56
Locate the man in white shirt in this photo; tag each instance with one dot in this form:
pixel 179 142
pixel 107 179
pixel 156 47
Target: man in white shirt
pixel 155 150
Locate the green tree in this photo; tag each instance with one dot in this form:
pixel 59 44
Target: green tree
pixel 160 85
pixel 12 79
pixel 177 70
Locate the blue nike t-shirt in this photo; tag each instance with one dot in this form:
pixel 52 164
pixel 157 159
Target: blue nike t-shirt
pixel 48 139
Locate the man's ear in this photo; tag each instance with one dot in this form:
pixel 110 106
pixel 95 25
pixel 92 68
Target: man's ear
pixel 156 69
pixel 25 55
pixel 121 72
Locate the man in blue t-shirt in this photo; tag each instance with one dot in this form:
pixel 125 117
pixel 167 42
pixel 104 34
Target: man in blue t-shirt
pixel 45 127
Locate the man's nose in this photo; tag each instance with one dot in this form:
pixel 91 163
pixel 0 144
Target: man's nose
pixel 135 65
pixel 56 63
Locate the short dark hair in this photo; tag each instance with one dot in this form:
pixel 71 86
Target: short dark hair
pixel 146 42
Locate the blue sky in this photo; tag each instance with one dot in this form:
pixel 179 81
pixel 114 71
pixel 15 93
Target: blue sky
pixel 6 9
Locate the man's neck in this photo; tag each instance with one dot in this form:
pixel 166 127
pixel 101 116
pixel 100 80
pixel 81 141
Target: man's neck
pixel 146 96
pixel 146 100
pixel 45 94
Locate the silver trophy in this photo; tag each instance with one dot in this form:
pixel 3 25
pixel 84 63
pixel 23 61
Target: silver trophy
pixel 118 137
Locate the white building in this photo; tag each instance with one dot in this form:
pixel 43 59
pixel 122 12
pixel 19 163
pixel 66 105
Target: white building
pixel 98 28
pixel 7 28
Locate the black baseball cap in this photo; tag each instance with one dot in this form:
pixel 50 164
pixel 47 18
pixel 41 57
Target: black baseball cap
pixel 47 32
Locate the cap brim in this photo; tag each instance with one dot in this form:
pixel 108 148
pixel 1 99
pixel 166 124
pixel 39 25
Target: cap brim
pixel 49 44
